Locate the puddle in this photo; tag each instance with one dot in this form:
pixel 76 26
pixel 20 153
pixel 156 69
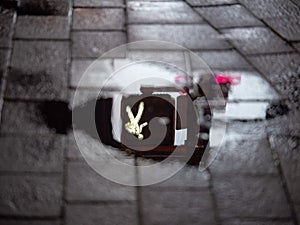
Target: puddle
pixel 251 98
pixel 44 7
pixel 56 115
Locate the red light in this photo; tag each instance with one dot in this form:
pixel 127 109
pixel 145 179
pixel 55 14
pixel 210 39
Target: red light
pixel 228 79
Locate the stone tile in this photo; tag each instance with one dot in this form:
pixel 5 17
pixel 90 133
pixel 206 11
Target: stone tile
pixel 290 91
pixel 176 207
pixel 32 153
pixel 242 197
pixel 207 38
pixel 210 2
pixel 256 40
pixel 186 177
pixel 98 19
pixel 28 222
pixel 43 7
pixel 94 44
pixel 78 68
pixel 289 157
pixel 83 96
pixel 107 214
pixel 297 208
pixel 272 8
pixel 287 27
pixel 229 60
pixel 22 117
pixel 256 222
pixel 244 155
pixel 288 124
pixel 9 4
pixel 283 71
pixel 155 0
pixel 86 185
pixel 6 18
pixel 161 12
pixel 3 61
pixel 283 16
pixel 228 16
pixel 43 27
pixel 38 70
pixel 73 153
pixel 30 195
pixel 297 46
pixel 93 77
pixel 97 3
pixel 277 66
pixel 89 146
pixel 249 129
pixel 176 58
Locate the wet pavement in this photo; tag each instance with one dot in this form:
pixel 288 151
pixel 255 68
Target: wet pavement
pixel 44 49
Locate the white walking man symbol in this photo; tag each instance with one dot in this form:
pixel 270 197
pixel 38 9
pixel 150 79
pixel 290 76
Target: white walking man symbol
pixel 133 126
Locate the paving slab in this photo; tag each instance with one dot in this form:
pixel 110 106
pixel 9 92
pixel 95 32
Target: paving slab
pixel 38 70
pixel 161 12
pixel 186 177
pixel 83 96
pixel 22 117
pixel 89 146
pixel 190 36
pixel 288 124
pixel 26 195
pixel 297 208
pixel 3 61
pixel 246 197
pixel 211 2
pixel 155 0
pixel 244 155
pixel 43 7
pixel 78 67
pixel 176 207
pixel 249 129
pixel 32 153
pixel 287 27
pixel 224 59
pixel 256 222
pixel 283 71
pixel 290 91
pixel 256 40
pixel 229 16
pixel 169 56
pixel 93 77
pixel 287 149
pixel 276 67
pixel 107 214
pixel 282 16
pixel 97 3
pixel 42 27
pixel 98 19
pixel 9 3
pixel 6 18
pixel 297 46
pixel 85 184
pixel 271 8
pixel 29 222
pixel 94 44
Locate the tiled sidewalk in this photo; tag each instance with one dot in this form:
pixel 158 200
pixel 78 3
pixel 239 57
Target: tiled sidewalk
pixel 43 178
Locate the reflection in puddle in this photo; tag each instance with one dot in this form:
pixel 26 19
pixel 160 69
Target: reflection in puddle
pixel 251 98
